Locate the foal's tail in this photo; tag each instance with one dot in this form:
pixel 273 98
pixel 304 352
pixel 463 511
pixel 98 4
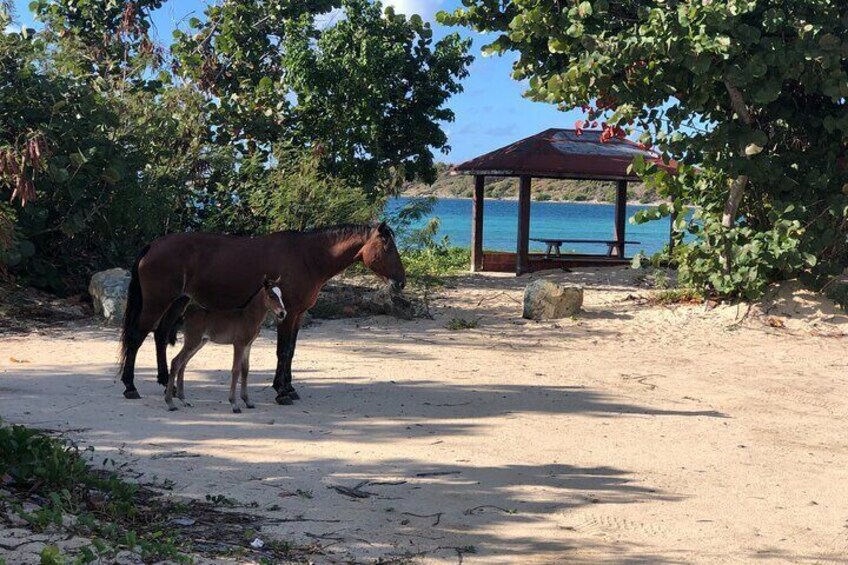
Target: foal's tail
pixel 131 336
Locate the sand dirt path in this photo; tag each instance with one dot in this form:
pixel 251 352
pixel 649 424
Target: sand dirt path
pixel 633 434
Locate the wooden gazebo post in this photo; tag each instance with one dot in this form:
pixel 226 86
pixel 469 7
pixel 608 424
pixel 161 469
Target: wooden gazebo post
pixel 554 154
pixel 477 224
pixel 522 263
pixel 620 217
pixel 672 220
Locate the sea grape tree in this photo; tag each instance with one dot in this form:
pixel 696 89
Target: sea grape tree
pixel 364 87
pixel 748 95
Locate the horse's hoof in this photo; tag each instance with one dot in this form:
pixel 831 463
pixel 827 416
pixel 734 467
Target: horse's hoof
pixel 284 400
pixel 186 404
pixel 250 406
pixel 236 410
pixel 172 409
pixel 131 394
pixel 293 394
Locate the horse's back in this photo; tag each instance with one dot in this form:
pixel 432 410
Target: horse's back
pixel 218 271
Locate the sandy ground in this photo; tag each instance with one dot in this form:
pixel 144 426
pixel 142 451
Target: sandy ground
pixel 632 434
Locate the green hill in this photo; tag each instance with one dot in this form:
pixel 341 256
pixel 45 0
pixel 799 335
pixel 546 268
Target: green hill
pixel 462 186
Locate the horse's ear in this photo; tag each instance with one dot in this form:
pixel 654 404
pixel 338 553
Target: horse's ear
pixel 385 230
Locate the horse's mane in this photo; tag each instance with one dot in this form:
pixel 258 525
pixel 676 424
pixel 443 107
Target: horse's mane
pixel 346 230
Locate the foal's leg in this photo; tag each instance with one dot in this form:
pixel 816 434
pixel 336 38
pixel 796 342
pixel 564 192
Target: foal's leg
pixel 238 359
pixel 245 367
pixel 177 365
pixel 181 377
pixel 191 346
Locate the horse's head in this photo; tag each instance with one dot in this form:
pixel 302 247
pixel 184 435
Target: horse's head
pixel 380 254
pixel 274 298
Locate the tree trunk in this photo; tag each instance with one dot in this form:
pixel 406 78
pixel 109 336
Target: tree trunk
pixel 737 187
pixel 734 199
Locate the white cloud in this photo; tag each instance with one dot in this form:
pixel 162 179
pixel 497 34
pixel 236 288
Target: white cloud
pixel 330 19
pixel 425 8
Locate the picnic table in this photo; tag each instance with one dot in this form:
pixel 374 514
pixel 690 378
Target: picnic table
pixel 554 244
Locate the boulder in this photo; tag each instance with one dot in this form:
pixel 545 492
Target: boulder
pixel 837 290
pixel 346 299
pixel 108 290
pixel 547 300
pixel 391 303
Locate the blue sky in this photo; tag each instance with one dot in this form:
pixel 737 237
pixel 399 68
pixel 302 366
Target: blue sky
pixel 489 114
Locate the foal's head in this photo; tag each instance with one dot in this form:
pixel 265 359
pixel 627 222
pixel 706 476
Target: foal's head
pixel 274 299
pixel 380 254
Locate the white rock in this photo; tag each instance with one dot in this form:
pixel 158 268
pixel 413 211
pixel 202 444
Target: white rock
pixel 547 300
pixel 108 291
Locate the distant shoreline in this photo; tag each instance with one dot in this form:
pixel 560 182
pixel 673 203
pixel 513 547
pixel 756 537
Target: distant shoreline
pixel 551 201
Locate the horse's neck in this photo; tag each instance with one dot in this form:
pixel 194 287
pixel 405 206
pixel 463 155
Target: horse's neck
pixel 335 254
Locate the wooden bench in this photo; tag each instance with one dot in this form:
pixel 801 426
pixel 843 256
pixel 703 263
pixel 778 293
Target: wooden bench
pixel 554 244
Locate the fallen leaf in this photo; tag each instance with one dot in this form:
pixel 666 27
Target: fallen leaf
pixel 776 323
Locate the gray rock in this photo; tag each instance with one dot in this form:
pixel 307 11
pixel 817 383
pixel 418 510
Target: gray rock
pixel 837 290
pixel 108 290
pixel 387 301
pixel 547 300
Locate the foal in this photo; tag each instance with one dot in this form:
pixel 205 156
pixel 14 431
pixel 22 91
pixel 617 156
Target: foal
pixel 236 327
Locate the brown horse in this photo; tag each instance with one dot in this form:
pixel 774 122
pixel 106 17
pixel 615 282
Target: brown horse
pixel 221 272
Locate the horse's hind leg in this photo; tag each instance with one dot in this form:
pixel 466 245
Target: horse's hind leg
pixel 163 334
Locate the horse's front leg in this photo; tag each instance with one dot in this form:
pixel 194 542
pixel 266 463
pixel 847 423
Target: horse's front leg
pixel 286 336
pixel 287 374
pixel 283 338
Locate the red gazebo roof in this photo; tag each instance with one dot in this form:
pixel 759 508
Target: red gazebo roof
pixel 562 153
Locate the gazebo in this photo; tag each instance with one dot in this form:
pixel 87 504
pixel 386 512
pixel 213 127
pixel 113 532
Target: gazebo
pixel 560 154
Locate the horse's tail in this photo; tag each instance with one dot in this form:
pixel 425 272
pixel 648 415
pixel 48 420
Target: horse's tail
pixel 131 335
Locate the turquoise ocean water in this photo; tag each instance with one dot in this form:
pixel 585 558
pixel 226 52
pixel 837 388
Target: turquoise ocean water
pixel 566 220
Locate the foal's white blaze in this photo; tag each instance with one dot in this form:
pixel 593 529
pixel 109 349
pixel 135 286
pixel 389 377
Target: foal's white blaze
pixel 279 295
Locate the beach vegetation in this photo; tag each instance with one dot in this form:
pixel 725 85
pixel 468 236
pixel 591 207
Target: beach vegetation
pixel 749 99
pixel 63 491
pixel 430 259
pixel 258 115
